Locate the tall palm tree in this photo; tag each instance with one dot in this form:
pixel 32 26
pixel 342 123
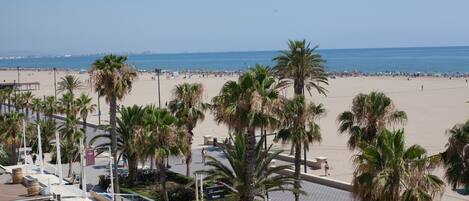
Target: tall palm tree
pixel 300 135
pixel 265 178
pixel 26 100
pixel 85 107
pixel 303 67
pixel 10 133
pixel 47 128
pixel 71 132
pixel 66 104
pixel 370 114
pixel 389 171
pixel 188 107
pixel 3 99
pixel 69 83
pixel 456 156
pixel 129 137
pixel 37 106
pixel 239 105
pixel 8 96
pixel 50 106
pixel 113 79
pixel 166 139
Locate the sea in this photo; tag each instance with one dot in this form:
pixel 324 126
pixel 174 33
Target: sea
pixel 367 60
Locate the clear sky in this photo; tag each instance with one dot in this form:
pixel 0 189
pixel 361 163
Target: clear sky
pixel 93 26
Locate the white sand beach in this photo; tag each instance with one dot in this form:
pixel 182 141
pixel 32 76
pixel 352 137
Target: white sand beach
pixel 431 111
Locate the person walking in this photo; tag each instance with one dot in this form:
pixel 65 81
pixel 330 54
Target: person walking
pixel 326 169
pixel 204 152
pixel 34 159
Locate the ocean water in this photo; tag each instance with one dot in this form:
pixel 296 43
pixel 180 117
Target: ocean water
pixel 372 60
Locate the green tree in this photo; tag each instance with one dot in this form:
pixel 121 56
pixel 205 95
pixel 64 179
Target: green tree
pixel 166 139
pixel 129 138
pixel 305 135
pixel 188 106
pixel 233 175
pixel 11 126
pixel 50 106
pixel 240 106
pixel 389 171
pixel 85 107
pixel 303 66
pixel 369 115
pixel 25 101
pixel 456 156
pixel 69 84
pixel 47 128
pixel 113 79
pixel 37 106
pixel 71 133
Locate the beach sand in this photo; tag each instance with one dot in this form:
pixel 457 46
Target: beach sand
pixel 431 111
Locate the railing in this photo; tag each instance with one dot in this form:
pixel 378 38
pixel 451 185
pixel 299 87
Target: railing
pixel 120 197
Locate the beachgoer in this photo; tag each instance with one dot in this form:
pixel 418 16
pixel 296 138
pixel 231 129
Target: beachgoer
pixel 34 158
pixel 421 88
pixel 326 169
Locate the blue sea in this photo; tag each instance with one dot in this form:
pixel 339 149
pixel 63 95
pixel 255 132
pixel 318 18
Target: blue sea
pixel 371 60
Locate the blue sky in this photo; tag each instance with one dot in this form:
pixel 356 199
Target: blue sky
pixel 93 26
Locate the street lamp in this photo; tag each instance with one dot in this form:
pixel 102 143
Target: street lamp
pixel 55 84
pixel 18 70
pixel 158 71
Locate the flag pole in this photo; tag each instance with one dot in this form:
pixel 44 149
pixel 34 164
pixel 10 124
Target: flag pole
pixel 58 156
pixel 41 162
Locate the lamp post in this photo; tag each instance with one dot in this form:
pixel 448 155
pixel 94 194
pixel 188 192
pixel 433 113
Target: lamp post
pixel 14 91
pixel 55 83
pixel 18 70
pixel 158 71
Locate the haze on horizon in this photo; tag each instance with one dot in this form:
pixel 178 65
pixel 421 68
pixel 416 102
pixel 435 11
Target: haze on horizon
pixel 53 27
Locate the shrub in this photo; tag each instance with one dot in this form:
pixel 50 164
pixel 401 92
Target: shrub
pixel 181 193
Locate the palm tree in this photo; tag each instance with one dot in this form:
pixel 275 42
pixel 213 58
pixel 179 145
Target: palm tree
pixel 388 171
pixel 113 78
pixel 370 114
pixel 188 107
pixel 26 99
pixel 304 67
pixel 456 156
pixel 265 178
pixel 3 98
pixel 129 136
pixel 50 106
pixel 72 133
pixel 304 136
pixel 8 97
pixel 69 83
pixel 47 128
pixel 37 106
pixel 10 133
pixel 85 107
pixel 166 139
pixel 240 106
pixel 66 105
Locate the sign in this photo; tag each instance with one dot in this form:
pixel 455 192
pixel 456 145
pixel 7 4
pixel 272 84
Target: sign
pixel 89 157
pixel 215 192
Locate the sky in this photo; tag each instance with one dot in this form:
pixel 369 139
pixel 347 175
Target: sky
pixel 96 26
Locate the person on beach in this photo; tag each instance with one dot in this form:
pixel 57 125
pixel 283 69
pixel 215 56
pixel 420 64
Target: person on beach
pixel 326 169
pixel 421 88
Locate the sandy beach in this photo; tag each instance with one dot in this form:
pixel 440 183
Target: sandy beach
pixel 431 111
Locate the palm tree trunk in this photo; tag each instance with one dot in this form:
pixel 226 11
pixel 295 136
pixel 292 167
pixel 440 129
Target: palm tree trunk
pixel 37 116
pixel 133 162
pixel 189 152
pixel 305 160
pixel 250 163
pixel 13 156
pixel 164 190
pixel 84 132
pixel 70 161
pixel 112 121
pixel 297 169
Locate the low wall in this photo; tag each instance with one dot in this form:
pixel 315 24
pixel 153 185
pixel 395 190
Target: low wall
pixel 320 180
